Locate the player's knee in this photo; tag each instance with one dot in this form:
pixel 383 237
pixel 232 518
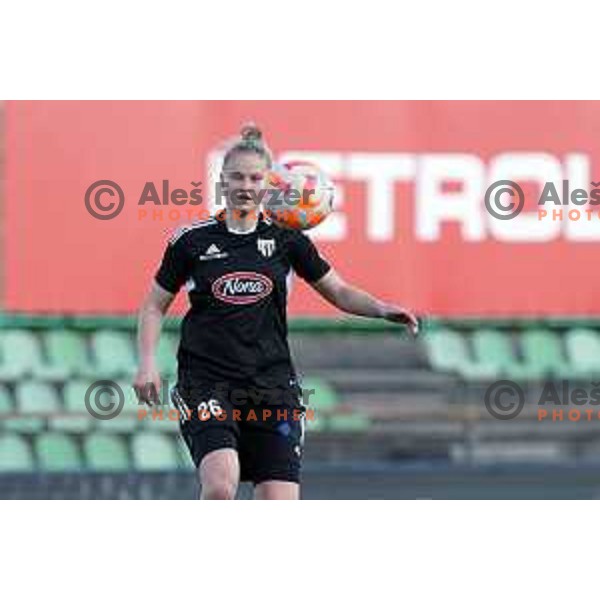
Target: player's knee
pixel 219 488
pixel 219 475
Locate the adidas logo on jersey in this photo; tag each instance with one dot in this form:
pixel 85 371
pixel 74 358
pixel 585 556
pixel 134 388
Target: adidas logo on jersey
pixel 213 252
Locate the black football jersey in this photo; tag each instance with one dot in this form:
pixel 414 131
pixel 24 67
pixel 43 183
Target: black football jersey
pixel 238 284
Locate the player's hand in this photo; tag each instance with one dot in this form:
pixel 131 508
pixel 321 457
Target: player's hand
pixel 397 314
pixel 147 386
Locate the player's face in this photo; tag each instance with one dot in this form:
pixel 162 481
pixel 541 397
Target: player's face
pixel 244 174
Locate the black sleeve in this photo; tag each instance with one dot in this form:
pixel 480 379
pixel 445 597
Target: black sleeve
pixel 305 258
pixel 174 269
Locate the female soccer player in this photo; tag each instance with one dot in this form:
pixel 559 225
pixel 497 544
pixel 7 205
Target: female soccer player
pixel 236 391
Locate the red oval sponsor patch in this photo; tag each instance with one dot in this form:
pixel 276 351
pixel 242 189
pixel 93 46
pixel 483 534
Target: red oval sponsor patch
pixel 242 287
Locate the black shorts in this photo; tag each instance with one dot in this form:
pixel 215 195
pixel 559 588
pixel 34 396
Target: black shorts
pixel 265 427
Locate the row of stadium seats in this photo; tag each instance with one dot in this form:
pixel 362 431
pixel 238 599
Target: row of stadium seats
pixel 38 405
pixel 57 355
pixel 34 406
pixel 533 353
pixel 486 353
pixel 60 452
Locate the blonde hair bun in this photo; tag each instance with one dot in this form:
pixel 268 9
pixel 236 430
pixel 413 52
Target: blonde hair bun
pixel 251 133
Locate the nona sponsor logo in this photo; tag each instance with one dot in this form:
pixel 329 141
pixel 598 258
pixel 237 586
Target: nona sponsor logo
pixel 242 287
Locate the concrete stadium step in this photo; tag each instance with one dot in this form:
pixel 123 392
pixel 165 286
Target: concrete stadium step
pixel 533 429
pixel 381 380
pixel 378 351
pixel 458 441
pixel 384 442
pixel 485 429
pixel 385 405
pixel 519 451
pixel 405 432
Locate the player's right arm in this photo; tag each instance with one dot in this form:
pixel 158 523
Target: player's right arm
pixel 171 275
pixel 155 306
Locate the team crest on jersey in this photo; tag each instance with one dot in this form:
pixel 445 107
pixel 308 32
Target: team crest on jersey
pixel 242 287
pixel 266 247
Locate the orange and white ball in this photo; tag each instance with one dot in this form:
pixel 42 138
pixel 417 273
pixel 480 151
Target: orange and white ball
pixel 299 195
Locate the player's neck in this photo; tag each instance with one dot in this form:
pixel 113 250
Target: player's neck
pixel 241 221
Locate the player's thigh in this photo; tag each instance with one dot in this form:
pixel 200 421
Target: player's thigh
pixel 212 441
pixel 271 451
pixel 277 490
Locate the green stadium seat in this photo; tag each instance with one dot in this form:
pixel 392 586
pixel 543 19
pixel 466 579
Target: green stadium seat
pixel 18 352
pixel 166 355
pixel 493 347
pixel 168 423
pixel 6 404
pixel 57 452
pixel 106 453
pixel 543 355
pixel 155 452
pixel 128 419
pixel 583 350
pixel 32 398
pixel 319 394
pixel 21 355
pixel 355 422
pixel 68 348
pixel 15 454
pixel 448 351
pixel 318 422
pixel 183 455
pixel 114 356
pixel 320 397
pixel 76 418
pixel 170 418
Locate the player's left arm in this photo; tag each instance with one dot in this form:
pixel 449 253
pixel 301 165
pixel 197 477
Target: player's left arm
pixel 355 301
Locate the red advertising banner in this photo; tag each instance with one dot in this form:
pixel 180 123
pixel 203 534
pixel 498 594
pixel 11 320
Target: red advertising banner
pixel 411 223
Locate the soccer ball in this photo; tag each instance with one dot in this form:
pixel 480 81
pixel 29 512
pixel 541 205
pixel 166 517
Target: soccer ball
pixel 299 195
